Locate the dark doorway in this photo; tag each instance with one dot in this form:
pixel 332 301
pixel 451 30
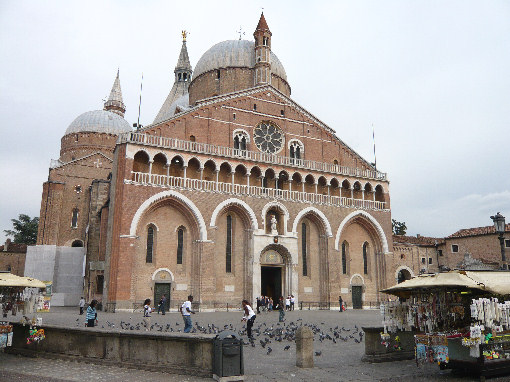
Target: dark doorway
pixel 357 303
pixel 271 282
pixel 159 290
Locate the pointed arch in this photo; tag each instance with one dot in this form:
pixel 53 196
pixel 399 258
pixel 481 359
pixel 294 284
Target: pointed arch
pixel 164 195
pixel 371 219
pixel 317 212
pixel 220 207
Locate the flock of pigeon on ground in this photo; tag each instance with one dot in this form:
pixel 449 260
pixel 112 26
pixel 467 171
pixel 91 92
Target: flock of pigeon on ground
pixel 263 334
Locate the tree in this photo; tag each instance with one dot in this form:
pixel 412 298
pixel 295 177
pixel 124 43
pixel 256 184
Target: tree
pixel 25 229
pixel 399 228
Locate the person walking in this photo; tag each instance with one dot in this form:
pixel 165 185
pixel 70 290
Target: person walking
pixel 258 305
pixel 162 305
pixel 147 313
pixel 249 317
pixel 281 308
pixel 341 303
pixel 91 315
pixel 292 302
pixel 186 314
pixel 82 305
pixel 287 303
pixel 270 304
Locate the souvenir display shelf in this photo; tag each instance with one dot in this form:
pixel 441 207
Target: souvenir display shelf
pixel 457 329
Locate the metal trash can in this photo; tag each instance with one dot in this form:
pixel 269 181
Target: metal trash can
pixel 228 357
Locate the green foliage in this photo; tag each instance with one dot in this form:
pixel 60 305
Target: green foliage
pixel 399 228
pixel 24 229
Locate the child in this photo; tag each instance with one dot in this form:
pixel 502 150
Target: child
pixel 91 316
pixel 147 313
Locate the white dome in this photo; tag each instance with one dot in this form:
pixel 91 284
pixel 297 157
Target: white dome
pixel 234 53
pixel 99 121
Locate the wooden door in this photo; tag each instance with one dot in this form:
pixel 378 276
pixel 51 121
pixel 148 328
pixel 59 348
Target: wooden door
pixel 159 290
pixel 357 302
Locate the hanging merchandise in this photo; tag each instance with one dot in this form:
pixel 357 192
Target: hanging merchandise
pixel 36 335
pixel 5 334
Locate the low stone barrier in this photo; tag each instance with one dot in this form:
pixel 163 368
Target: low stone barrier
pixel 376 352
pixel 177 353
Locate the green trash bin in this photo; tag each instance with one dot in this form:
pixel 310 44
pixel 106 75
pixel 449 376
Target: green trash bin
pixel 228 356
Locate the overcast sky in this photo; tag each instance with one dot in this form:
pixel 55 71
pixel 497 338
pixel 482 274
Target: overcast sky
pixel 432 77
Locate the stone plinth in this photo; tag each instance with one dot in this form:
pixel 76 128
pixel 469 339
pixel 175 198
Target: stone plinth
pixel 304 347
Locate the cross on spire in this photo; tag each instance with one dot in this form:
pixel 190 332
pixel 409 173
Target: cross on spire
pixel 241 32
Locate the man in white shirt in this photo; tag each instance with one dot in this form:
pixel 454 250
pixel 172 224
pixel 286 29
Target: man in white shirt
pixel 287 303
pixel 249 317
pixel 186 314
pixel 292 302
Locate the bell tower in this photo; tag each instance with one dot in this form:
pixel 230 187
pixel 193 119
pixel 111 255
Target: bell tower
pixel 262 52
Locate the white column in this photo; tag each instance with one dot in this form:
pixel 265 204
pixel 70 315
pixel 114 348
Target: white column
pixel 373 195
pixel 290 185
pixel 184 171
pixel 248 179
pixel 316 184
pixel 261 181
pixel 303 186
pixel 150 166
pixel 352 192
pixel 276 182
pixel 217 172
pixel 167 169
pixel 232 173
pixel 201 169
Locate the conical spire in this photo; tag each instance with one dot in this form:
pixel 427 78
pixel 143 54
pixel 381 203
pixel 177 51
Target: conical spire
pixel 115 103
pixel 183 61
pixel 178 97
pixel 262 25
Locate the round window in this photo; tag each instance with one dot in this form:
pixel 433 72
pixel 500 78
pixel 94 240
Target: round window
pixel 268 137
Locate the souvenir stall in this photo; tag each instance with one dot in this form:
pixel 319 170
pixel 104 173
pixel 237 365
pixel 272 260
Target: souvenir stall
pixel 461 319
pixel 19 294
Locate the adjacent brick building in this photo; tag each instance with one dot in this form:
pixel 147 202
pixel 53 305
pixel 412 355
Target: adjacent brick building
pixel 12 257
pixel 234 191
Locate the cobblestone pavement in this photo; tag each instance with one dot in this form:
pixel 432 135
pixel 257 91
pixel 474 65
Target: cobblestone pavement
pixel 337 362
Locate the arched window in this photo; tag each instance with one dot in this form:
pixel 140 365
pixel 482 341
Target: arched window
pixel 150 244
pixel 228 251
pixel 365 258
pixel 74 219
pixel 304 249
pixel 241 138
pixel 296 149
pixel 77 243
pixel 344 258
pixel 180 244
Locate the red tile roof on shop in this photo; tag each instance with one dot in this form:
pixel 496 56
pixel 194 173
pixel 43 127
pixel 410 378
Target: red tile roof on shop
pixel 487 230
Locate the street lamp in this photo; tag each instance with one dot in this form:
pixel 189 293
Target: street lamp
pixel 499 224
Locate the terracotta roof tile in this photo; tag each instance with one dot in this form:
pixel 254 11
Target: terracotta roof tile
pixel 477 231
pixel 14 248
pixel 421 240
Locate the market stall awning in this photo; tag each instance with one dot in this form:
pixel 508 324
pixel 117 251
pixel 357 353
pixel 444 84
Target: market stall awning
pixel 492 282
pixel 10 280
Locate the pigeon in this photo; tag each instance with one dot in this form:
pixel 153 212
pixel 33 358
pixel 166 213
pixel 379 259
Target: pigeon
pixel 286 347
pixel 262 343
pixel 269 350
pixel 318 353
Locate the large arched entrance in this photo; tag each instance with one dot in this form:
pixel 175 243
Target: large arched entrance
pixel 275 272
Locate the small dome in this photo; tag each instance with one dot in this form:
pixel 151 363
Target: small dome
pixel 99 121
pixel 234 53
pixel 179 105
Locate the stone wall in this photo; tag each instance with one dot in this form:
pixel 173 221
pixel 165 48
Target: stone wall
pixel 172 353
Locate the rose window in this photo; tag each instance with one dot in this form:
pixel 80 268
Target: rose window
pixel 268 137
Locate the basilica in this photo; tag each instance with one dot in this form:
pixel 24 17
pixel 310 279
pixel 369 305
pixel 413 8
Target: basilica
pixel 234 191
